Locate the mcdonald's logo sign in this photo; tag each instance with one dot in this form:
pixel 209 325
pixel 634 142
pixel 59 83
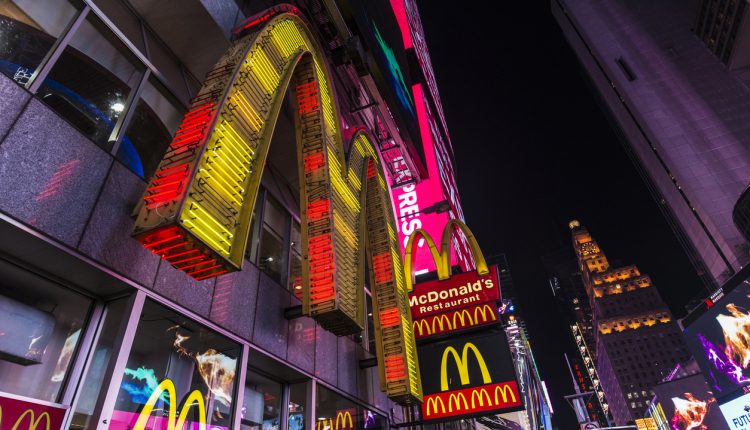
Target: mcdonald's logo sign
pixel 468 375
pixel 463 290
pixel 193 403
pixel 16 414
pixel 343 421
pixel 462 319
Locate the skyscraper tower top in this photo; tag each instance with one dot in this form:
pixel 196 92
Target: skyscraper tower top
pixel 626 310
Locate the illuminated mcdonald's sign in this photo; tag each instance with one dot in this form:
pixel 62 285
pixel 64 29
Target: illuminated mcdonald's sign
pixel 468 375
pixel 198 206
pixel 17 414
pixel 442 256
pixel 174 422
pixel 343 421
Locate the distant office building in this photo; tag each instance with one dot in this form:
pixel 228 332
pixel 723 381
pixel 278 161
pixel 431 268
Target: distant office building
pixel 637 341
pixel 672 75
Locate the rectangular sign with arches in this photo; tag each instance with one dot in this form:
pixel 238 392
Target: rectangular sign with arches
pixel 468 375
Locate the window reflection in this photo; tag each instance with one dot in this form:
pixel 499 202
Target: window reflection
pixel 90 82
pixel 273 238
pixel 334 412
pixel 262 402
pixel 28 28
pixel 92 386
pixel 168 346
pixel 297 402
pixel 40 327
pixel 157 115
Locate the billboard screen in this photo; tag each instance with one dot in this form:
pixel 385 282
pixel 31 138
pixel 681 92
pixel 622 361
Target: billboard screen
pixel 688 403
pixel 737 413
pixel 468 375
pixel 720 342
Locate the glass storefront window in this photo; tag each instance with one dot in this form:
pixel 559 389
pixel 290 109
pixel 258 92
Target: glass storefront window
pixel 125 20
pixel 41 325
pixel 262 403
pixel 92 386
pixel 272 242
pixel 90 82
pixel 297 402
pixel 157 115
pixel 253 241
pixel 168 351
pixel 295 261
pixel 28 29
pixel 370 325
pixel 334 412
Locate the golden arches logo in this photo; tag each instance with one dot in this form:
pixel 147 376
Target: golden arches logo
pixel 342 418
pixel 504 390
pixel 195 398
pixel 462 315
pixel 33 420
pixel 485 310
pixel 476 397
pixel 456 399
pixel 442 256
pixel 431 406
pixel 462 365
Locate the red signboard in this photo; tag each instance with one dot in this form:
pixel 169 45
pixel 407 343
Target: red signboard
pixel 460 291
pixel 28 415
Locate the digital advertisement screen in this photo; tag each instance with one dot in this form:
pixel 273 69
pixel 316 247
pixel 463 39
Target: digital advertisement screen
pixel 389 63
pixel 737 413
pixel 688 403
pixel 720 342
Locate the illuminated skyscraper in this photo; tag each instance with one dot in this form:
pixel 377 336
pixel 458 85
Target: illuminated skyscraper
pixel 636 340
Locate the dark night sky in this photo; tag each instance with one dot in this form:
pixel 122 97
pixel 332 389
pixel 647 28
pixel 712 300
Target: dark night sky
pixel 534 150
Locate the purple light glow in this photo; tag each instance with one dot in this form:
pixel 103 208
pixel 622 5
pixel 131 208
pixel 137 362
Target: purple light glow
pixel 721 362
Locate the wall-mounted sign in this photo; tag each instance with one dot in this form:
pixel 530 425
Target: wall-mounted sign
pixel 689 403
pixel 459 291
pixel 20 414
pixel 718 341
pixel 468 375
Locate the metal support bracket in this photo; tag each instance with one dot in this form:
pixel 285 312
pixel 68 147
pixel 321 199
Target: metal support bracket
pixel 293 312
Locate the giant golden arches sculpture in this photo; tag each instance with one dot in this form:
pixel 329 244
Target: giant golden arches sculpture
pixel 198 205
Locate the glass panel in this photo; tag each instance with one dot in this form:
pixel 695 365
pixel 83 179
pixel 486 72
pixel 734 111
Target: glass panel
pixel 271 254
pixel 276 216
pixel 253 242
pixel 92 386
pixel 40 326
pixel 295 238
pixel 295 274
pixel 91 80
pixel 370 325
pixel 297 402
pixel 262 403
pixel 28 28
pixel 168 65
pixel 170 350
pixel 157 115
pixel 125 20
pixel 334 412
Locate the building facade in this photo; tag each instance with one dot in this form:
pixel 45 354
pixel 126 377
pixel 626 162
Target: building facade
pixel 671 76
pixel 567 286
pixel 113 331
pixel 637 341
